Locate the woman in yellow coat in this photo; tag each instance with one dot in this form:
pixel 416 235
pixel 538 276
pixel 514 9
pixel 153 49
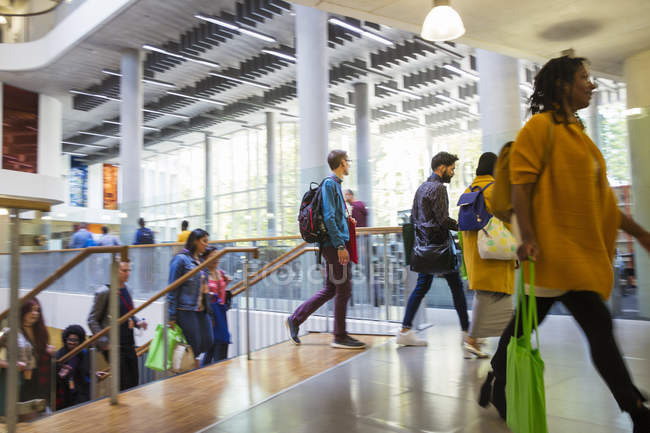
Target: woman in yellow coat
pixel 568 220
pixel 493 281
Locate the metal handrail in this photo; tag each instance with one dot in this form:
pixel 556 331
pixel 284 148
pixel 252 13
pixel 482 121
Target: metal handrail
pixel 159 295
pixel 274 268
pixel 123 250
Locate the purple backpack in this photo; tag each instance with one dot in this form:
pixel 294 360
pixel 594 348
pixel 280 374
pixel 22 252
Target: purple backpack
pixel 472 214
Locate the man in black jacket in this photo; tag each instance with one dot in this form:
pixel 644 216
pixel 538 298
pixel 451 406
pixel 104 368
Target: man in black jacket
pixel 430 216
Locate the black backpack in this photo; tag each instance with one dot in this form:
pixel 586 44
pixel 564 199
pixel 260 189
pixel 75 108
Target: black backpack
pixel 310 218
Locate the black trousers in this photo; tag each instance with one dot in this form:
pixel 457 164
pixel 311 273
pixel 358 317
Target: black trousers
pixel 588 309
pixel 129 372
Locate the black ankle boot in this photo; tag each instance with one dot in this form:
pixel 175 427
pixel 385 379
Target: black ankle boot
pixel 486 390
pixel 493 391
pixel 641 419
pixel 499 397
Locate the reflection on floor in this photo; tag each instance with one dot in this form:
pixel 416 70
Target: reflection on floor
pixel 197 399
pixel 433 389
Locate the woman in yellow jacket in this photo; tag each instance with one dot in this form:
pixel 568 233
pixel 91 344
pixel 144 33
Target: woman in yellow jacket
pixel 568 221
pixel 493 281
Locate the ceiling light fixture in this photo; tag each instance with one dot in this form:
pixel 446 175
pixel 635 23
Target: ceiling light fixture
pixel 442 23
pixel 3 20
pixel 394 90
pixel 72 143
pixel 280 54
pixel 99 135
pixel 241 80
pixel 95 95
pixel 193 59
pixel 144 80
pixel 336 104
pixel 197 98
pixel 233 26
pixel 462 72
pixel 450 99
pixel 395 113
pixel 179 116
pixel 362 32
pixel 113 122
pixel 74 153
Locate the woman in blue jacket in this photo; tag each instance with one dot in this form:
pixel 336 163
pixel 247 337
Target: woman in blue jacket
pixel 186 304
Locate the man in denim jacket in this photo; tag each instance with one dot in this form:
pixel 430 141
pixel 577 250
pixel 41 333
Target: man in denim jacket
pixel 337 283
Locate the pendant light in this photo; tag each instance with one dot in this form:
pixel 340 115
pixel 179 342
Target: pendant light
pixel 442 23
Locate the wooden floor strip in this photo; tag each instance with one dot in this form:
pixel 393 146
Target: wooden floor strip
pixel 195 400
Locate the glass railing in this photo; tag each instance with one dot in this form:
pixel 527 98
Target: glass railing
pixel 34 25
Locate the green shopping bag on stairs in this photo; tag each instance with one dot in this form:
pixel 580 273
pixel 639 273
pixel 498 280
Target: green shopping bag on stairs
pixel 156 353
pixel 525 396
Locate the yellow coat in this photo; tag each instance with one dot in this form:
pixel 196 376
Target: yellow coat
pixel 487 275
pixel 574 211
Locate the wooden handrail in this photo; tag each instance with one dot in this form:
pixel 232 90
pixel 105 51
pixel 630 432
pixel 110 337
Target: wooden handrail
pixel 159 295
pixel 123 250
pixel 277 266
pixel 269 264
pixel 360 231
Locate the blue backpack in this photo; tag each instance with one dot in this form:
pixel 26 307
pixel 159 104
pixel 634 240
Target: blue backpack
pixel 472 214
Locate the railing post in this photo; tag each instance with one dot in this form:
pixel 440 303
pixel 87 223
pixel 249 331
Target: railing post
pixel 386 288
pixel 93 373
pixel 248 321
pixel 14 307
pixel 53 383
pixel 114 333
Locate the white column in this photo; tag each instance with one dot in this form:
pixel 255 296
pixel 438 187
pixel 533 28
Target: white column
pixel 50 119
pixel 96 186
pixel 313 77
pixel 209 195
pixel 364 166
pixel 636 71
pixel 271 174
pixel 131 143
pixel 499 99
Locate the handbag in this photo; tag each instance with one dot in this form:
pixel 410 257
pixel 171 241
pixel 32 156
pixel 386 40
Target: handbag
pixel 525 396
pixel 434 258
pixel 183 359
pixel 156 353
pixel 496 242
pixel 351 245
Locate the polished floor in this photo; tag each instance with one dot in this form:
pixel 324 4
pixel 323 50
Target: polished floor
pixel 433 389
pixel 195 400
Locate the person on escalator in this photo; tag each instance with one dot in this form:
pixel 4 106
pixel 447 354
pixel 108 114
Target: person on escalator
pixel 219 303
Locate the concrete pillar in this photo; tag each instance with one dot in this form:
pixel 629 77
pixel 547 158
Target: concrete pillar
pixel 209 195
pixel 636 70
pixel 499 99
pixel 593 123
pixel 313 99
pixel 50 120
pixel 131 143
pixel 364 166
pixel 271 174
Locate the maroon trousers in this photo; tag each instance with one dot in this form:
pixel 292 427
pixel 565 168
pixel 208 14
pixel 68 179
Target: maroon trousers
pixel 337 285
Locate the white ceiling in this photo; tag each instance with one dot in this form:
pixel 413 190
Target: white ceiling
pixel 606 32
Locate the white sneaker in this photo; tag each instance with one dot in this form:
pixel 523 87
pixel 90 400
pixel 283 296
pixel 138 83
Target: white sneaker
pixel 409 338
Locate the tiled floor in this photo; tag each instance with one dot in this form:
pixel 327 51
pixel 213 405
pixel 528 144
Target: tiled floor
pixel 433 389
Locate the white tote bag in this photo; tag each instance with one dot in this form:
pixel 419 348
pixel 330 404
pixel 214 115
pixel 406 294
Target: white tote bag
pixel 496 242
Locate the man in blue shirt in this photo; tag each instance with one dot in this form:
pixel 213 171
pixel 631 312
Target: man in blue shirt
pixel 337 283
pixel 144 235
pixel 107 240
pixel 81 238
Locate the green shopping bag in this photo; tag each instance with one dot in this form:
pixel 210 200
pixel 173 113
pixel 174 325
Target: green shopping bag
pixel 156 353
pixel 462 269
pixel 525 397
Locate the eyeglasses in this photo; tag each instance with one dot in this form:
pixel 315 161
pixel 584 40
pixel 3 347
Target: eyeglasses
pixel 73 339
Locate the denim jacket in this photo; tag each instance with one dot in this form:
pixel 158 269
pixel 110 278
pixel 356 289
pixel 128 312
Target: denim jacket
pixel 334 213
pixel 187 295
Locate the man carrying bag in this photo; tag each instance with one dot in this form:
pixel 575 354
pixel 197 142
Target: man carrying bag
pixel 433 251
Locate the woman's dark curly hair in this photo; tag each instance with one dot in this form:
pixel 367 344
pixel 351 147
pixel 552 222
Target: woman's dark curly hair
pixel 548 89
